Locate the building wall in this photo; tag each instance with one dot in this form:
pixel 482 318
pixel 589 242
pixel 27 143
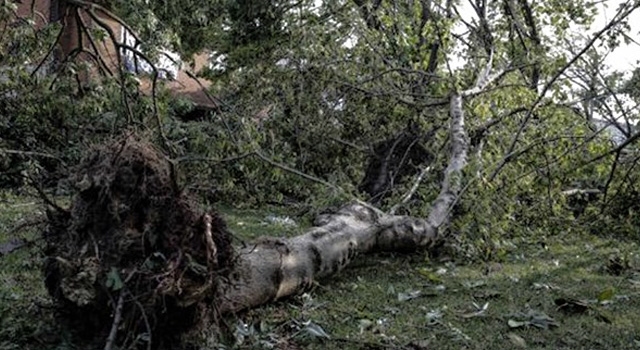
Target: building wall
pixel 74 41
pixel 40 9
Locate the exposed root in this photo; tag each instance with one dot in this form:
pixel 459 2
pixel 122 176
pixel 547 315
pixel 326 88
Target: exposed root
pixel 133 242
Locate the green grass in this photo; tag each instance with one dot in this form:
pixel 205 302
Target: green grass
pixel 24 316
pixel 360 307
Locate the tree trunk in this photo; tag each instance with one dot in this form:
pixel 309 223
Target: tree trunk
pixel 273 268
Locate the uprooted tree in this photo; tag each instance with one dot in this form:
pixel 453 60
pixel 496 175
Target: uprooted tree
pixel 135 262
pixel 133 256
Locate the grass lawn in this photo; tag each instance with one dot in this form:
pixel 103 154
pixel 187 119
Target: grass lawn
pixel 573 291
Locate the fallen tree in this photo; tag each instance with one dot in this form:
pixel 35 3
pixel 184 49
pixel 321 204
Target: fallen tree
pixel 275 268
pixel 135 262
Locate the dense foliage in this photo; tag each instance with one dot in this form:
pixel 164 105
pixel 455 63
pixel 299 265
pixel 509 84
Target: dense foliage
pixel 311 92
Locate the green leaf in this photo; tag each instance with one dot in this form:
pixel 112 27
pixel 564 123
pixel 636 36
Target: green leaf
pixel 606 294
pixel 114 282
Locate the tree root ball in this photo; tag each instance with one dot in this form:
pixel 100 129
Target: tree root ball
pixel 133 263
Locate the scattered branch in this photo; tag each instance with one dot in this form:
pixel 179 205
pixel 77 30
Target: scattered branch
pixel 298 172
pixel 45 197
pixel 411 191
pixel 116 322
pixel 28 153
pixel 215 160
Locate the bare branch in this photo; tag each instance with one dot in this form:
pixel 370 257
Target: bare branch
pixel 620 147
pixel 452 174
pixel 411 191
pixel 28 153
pixel 116 323
pixel 298 172
pixel 93 7
pixel 98 57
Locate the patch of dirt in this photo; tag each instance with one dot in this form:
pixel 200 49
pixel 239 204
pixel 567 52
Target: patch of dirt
pixel 132 262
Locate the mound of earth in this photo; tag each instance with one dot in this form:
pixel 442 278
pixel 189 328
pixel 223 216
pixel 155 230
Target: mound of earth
pixel 134 262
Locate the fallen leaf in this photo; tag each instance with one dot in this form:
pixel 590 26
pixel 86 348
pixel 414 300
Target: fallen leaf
pixel 543 321
pixel 392 310
pixel 430 275
pixel 409 295
pixel 488 294
pixel 480 310
pixel 543 286
pixel 315 330
pixel 517 340
pixel 434 317
pixel 606 295
pixel 532 318
pixel 474 284
pixel 516 324
pixel 364 325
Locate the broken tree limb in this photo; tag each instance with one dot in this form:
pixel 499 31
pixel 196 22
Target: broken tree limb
pixel 412 190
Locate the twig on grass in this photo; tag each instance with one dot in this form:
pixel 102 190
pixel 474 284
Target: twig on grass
pixel 116 323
